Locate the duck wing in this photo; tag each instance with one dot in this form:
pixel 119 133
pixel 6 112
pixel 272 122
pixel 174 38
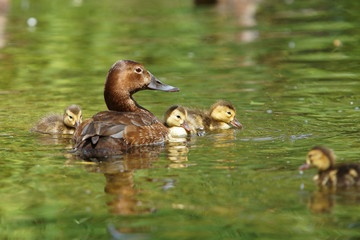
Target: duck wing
pixel 113 131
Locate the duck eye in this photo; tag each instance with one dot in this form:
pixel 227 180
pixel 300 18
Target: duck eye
pixel 228 112
pixel 138 70
pixel 70 117
pixel 178 116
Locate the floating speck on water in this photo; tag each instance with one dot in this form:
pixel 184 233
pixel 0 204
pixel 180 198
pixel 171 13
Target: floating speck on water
pixel 301 99
pixel 340 111
pixel 292 44
pixel 287 162
pixel 190 54
pixel 301 172
pixel 356 108
pixel 269 111
pixel 302 186
pixel 31 22
pixel 229 175
pixel 351 103
pixel 306 121
pixel 88 191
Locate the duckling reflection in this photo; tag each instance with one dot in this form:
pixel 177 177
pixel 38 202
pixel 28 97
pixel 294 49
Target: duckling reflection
pixel 321 202
pixel 57 124
pixel 325 199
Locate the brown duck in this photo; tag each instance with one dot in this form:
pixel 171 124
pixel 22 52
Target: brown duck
pixel 329 174
pixel 127 124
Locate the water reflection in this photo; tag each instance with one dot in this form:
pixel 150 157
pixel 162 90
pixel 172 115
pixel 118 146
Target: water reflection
pixel 243 11
pixel 324 200
pixel 119 173
pixel 4 6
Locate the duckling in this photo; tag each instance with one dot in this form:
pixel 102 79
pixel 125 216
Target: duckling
pixel 221 114
pixel 329 174
pixel 175 120
pixel 56 123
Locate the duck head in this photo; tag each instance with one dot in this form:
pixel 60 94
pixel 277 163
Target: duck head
pixel 319 157
pixel 125 78
pixel 224 111
pixel 72 116
pixel 176 116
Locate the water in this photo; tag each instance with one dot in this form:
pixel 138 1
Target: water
pixel 290 68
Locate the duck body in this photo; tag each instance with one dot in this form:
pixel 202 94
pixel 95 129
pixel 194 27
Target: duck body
pixel 60 124
pixel 329 174
pixel 127 124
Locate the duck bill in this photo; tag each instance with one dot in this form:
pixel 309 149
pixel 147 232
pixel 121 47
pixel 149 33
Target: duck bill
pixel 236 123
pixel 304 167
pixel 186 126
pixel 156 84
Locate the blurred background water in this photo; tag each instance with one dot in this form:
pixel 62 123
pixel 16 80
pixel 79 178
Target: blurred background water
pixel 290 67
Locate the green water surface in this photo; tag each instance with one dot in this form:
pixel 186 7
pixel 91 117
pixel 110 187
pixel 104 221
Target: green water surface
pixel 290 67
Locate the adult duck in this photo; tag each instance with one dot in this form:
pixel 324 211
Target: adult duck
pixel 61 124
pixel 127 124
pixel 329 174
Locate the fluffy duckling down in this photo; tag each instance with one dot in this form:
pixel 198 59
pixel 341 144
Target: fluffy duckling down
pixel 329 174
pixel 63 124
pixel 222 115
pixel 175 120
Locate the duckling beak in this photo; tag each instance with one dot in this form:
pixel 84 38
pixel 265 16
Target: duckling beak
pixel 77 123
pixel 236 123
pixel 186 126
pixel 156 84
pixel 304 167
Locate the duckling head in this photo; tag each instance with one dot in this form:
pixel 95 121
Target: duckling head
pixel 176 116
pixel 319 157
pixel 224 111
pixel 72 116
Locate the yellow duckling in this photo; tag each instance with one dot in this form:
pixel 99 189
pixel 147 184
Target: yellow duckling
pixel 221 114
pixel 329 174
pixel 175 120
pixel 56 123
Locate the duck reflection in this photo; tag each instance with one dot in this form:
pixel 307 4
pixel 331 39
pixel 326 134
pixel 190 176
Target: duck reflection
pixel 119 174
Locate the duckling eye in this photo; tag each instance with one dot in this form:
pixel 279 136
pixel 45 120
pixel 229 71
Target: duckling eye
pixel 138 70
pixel 70 117
pixel 228 112
pixel 178 116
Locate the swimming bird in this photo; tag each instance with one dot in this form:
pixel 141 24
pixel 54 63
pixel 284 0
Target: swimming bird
pixel 222 115
pixel 56 123
pixel 175 120
pixel 126 124
pixel 329 174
